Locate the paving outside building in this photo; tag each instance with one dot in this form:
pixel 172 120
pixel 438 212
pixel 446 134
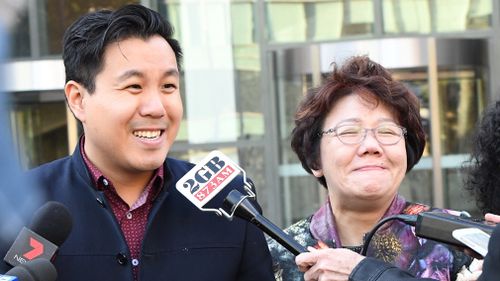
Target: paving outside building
pixel 246 65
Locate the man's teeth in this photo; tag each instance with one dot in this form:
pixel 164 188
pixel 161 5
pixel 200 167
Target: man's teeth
pixel 147 134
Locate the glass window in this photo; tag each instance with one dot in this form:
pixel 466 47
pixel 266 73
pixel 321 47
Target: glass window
pixel 462 98
pixel 221 70
pixel 54 16
pixel 407 16
pixel 461 15
pixel 417 186
pixel 39 129
pixel 20 36
pixel 300 21
pixel 301 197
pixel 426 16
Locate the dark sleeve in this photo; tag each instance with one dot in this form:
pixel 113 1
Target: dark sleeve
pixel 491 265
pixel 370 269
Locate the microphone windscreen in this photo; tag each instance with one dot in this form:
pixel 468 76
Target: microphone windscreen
pixel 41 270
pixel 53 222
pixel 21 273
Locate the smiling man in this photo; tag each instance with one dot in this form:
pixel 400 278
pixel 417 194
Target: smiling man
pixel 129 222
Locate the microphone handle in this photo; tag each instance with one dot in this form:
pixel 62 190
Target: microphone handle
pixel 277 234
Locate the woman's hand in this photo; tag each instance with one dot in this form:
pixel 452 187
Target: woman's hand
pixel 472 273
pixel 327 264
pixel 492 218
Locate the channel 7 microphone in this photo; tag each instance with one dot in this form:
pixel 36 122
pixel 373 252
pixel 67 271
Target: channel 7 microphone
pixel 49 228
pixel 210 176
pixel 36 270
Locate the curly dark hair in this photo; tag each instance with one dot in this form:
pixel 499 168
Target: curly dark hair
pixel 376 85
pixel 483 168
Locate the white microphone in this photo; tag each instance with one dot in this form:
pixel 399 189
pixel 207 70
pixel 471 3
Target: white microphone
pixel 210 176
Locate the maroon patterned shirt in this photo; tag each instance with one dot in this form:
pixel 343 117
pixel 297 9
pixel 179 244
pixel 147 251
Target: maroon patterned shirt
pixel 132 219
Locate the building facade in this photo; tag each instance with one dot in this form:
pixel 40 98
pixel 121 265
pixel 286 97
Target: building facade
pixel 246 65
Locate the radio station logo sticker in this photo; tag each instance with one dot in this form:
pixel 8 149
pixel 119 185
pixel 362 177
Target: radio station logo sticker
pixel 208 178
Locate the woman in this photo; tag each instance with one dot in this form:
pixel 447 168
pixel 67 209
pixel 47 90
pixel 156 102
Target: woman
pixel 482 180
pixel 359 133
pixel 483 174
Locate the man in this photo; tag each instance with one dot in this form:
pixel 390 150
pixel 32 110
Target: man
pixel 129 221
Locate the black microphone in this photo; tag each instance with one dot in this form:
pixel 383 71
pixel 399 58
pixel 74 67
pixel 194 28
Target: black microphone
pixel 210 176
pixel 440 226
pixel 437 226
pixel 36 270
pixel 49 228
pixel 243 208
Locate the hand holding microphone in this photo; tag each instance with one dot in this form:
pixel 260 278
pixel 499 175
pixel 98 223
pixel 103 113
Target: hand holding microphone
pixel 50 227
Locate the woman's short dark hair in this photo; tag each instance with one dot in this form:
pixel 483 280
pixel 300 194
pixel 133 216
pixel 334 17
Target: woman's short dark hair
pixel 86 39
pixel 361 75
pixel 482 176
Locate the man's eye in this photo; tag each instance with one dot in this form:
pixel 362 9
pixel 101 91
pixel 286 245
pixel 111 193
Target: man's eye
pixel 134 86
pixel 169 86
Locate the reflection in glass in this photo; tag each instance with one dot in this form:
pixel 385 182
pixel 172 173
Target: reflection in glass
pixel 301 197
pixel 456 196
pixel 56 15
pixel 40 132
pixel 20 37
pixel 301 21
pixel 462 99
pixel 417 186
pixel 425 16
pixel 221 70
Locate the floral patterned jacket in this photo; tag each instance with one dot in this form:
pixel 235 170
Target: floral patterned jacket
pixel 395 243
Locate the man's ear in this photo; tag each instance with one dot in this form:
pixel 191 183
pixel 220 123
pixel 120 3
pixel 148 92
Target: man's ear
pixel 75 96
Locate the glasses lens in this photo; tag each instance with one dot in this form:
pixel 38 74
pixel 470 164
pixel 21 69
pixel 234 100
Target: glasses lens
pixel 350 134
pixel 388 134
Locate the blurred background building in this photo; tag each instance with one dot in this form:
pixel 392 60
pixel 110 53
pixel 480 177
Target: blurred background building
pixel 248 62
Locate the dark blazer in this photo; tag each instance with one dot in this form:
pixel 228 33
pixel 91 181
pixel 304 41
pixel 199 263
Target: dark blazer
pixel 181 242
pixel 491 265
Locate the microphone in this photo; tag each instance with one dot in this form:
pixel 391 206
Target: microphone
pixel 210 176
pixel 49 228
pixel 243 208
pixel 440 226
pixel 36 270
pixel 437 226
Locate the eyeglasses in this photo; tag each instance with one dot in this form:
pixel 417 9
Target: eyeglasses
pixel 386 134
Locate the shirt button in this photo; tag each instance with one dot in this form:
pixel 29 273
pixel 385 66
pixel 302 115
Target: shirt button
pixel 105 182
pixel 129 215
pixel 100 201
pixel 121 258
pixel 135 262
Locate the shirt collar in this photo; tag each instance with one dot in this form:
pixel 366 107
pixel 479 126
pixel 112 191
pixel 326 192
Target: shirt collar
pixel 97 176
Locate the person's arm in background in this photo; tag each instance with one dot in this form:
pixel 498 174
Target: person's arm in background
pixel 346 265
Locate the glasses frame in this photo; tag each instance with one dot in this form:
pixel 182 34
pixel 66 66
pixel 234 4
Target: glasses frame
pixel 333 132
